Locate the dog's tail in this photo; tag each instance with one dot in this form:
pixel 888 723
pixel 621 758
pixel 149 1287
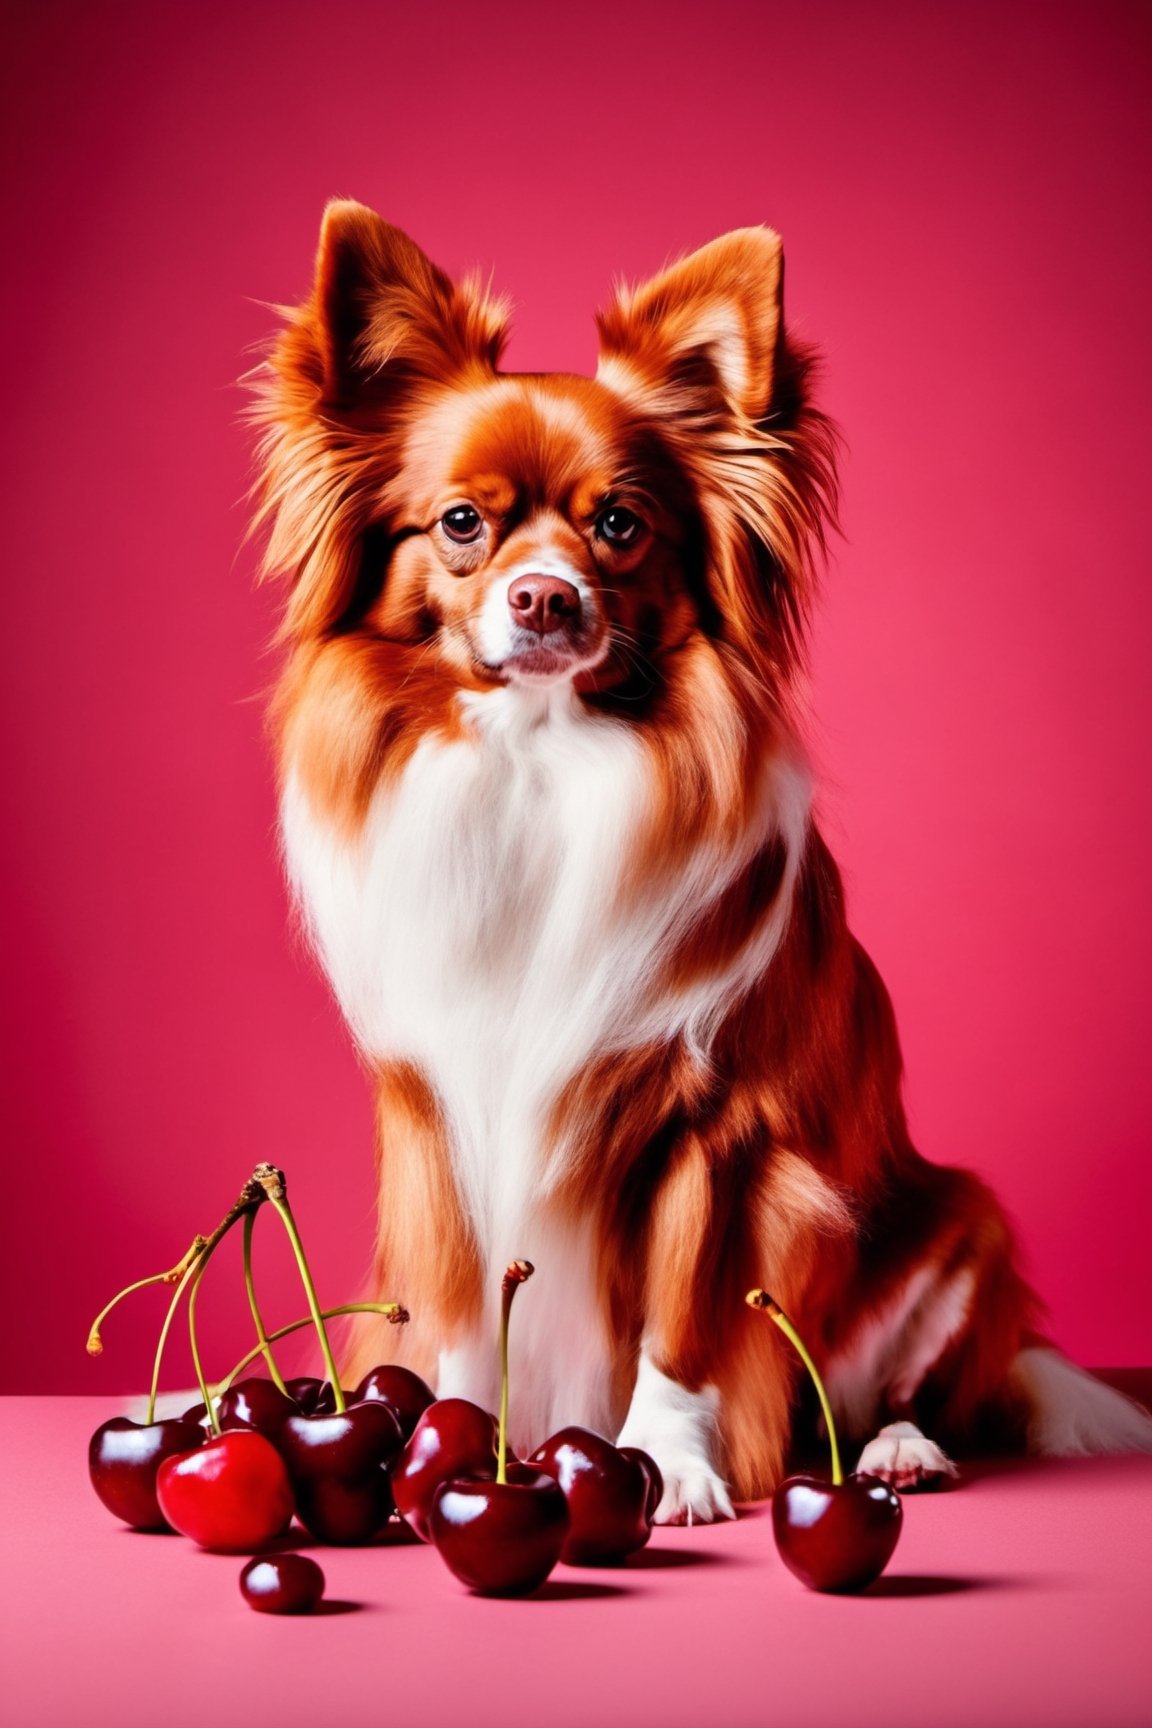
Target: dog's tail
pixel 1070 1413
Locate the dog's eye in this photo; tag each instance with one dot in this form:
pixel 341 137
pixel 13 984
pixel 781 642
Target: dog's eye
pixel 462 523
pixel 618 526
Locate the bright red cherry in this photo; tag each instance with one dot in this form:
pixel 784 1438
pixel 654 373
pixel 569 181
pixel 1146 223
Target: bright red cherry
pixel 836 1536
pixel 500 1538
pixel 282 1584
pixel 403 1392
pixel 231 1494
pixel 124 1458
pixel 611 1494
pixel 339 1470
pixel 452 1438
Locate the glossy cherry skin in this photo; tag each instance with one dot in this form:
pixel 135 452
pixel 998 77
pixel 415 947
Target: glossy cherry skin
pixel 282 1584
pixel 651 1471
pixel 611 1495
pixel 124 1458
pixel 500 1538
pixel 315 1397
pixel 836 1538
pixel 256 1403
pixel 403 1392
pixel 339 1470
pixel 452 1438
pixel 231 1494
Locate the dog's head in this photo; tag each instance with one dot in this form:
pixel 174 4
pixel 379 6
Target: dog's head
pixel 536 528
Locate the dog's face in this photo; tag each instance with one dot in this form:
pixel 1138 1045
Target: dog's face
pixel 535 529
pixel 540 534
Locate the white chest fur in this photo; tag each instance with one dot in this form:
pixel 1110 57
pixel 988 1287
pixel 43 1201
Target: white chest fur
pixel 477 928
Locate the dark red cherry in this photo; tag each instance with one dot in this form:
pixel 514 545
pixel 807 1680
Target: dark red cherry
pixel 500 1538
pixel 282 1584
pixel 315 1397
pixel 452 1438
pixel 611 1495
pixel 651 1471
pixel 124 1458
pixel 256 1403
pixel 230 1494
pixel 339 1470
pixel 836 1537
pixel 403 1392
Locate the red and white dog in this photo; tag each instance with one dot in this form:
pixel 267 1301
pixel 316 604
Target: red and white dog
pixel 548 817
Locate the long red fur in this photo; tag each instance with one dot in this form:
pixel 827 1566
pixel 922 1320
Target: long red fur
pixel 786 1160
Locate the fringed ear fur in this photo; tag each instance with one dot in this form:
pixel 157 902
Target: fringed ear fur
pixel 702 349
pixel 381 322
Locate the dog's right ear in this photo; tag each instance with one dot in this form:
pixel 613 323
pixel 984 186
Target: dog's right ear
pixel 382 311
pixel 382 323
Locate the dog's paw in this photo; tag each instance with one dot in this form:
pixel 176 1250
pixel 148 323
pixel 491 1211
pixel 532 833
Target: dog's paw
pixel 693 1494
pixel 906 1459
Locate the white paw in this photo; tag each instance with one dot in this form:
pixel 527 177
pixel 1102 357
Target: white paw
pixel 905 1458
pixel 677 1428
pixel 693 1494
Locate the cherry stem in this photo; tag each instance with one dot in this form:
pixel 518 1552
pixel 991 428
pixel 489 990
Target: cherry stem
pixel 392 1312
pixel 174 1275
pixel 251 1195
pixel 272 1182
pixel 166 1328
pixel 761 1299
pixel 257 1319
pixel 518 1273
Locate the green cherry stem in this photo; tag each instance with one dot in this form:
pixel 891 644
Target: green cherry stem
pixel 518 1273
pixel 174 1275
pixel 263 1345
pixel 392 1311
pixel 167 1327
pixel 761 1299
pixel 250 1197
pixel 272 1182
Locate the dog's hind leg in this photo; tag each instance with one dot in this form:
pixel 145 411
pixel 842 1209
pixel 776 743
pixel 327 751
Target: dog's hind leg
pixel 933 1353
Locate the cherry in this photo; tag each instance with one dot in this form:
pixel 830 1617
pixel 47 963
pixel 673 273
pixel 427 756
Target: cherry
pixel 403 1392
pixel 452 1438
pixel 611 1494
pixel 500 1538
pixel 255 1403
pixel 339 1469
pixel 282 1584
pixel 124 1458
pixel 315 1397
pixel 230 1494
pixel 651 1471
pixel 836 1535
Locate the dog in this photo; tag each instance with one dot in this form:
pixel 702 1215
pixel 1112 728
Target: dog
pixel 547 816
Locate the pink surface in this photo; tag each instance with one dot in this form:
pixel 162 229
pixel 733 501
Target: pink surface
pixel 1021 1601
pixel 962 193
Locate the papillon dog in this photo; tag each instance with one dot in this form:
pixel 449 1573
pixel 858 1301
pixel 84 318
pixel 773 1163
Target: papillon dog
pixel 547 815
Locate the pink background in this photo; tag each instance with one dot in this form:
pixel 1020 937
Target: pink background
pixel 962 193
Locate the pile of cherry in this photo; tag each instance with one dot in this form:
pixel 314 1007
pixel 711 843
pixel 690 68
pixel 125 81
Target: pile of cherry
pixel 236 1468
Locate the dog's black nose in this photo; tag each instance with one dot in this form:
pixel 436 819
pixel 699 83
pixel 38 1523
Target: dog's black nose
pixel 543 603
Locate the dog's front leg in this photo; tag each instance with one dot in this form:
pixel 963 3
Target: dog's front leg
pixel 675 1408
pixel 678 1427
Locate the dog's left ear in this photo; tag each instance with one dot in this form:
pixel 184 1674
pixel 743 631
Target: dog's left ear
pixel 714 318
pixel 701 352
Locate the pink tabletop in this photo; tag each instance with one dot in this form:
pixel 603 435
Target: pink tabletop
pixel 1024 1598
